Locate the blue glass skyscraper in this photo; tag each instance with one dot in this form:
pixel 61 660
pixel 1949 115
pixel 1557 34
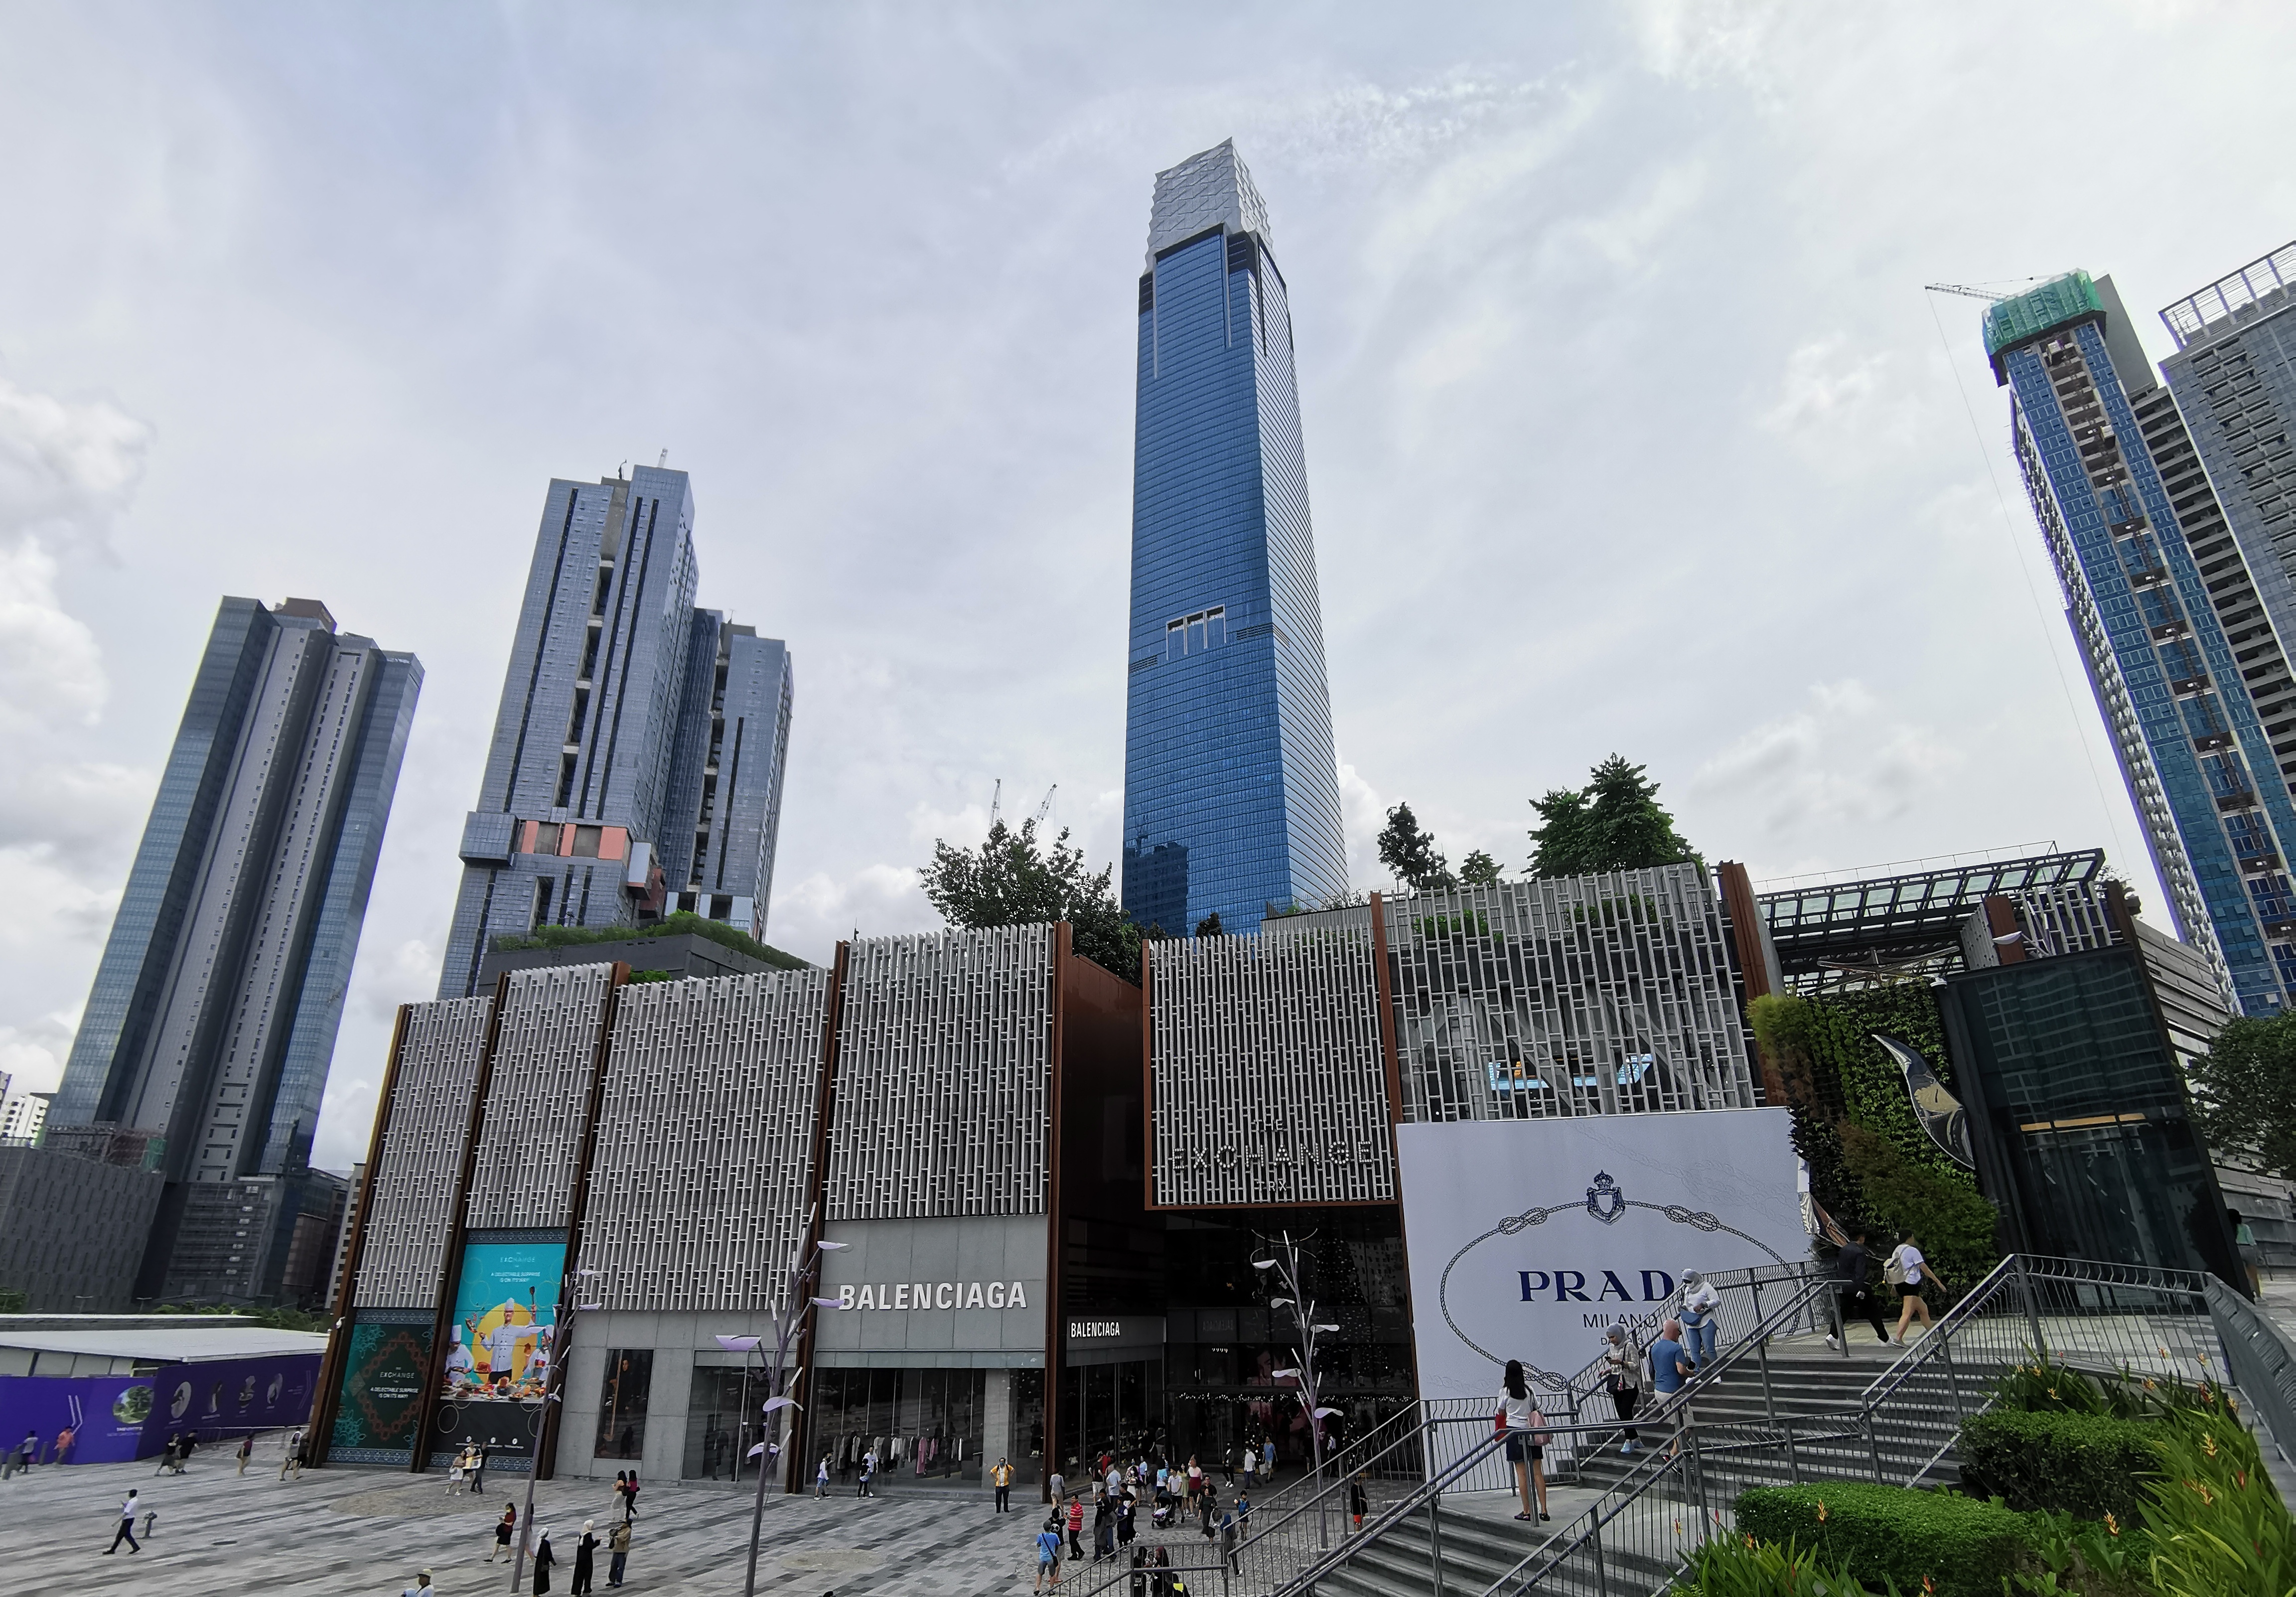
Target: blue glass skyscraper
pixel 1231 788
pixel 2168 619
pixel 204 1049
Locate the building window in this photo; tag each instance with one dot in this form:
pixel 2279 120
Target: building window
pixel 622 1403
pixel 1193 635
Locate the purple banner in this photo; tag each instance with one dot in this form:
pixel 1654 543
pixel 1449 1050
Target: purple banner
pixel 228 1398
pixel 106 1414
pixel 115 1418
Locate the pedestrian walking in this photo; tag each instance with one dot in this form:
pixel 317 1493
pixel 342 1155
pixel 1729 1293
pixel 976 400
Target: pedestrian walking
pixel 1909 1273
pixel 1104 1524
pixel 1267 1460
pixel 1701 1307
pixel 821 1481
pixel 1127 1506
pixel 1525 1429
pixel 1001 1477
pixel 1854 1295
pixel 246 1451
pixel 868 1470
pixel 191 1444
pixel 1623 1379
pixel 1075 1526
pixel 13 1462
pixel 1358 1500
pixel 32 1448
pixel 64 1440
pixel 1227 1465
pixel 1048 1553
pixel 543 1560
pixel 585 1551
pixel 619 1544
pixel 621 1494
pixel 422 1586
pixel 1207 1505
pixel 504 1528
pixel 126 1531
pixel 287 1459
pixel 1053 1483
pixel 630 1500
pixel 2251 1257
pixel 1138 1586
pixel 478 1481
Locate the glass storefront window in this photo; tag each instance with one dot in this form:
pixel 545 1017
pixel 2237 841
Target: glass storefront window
pixel 622 1403
pixel 924 1425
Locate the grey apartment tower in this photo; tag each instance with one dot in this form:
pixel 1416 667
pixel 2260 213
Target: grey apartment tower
pixel 637 757
pixel 1230 785
pixel 203 1051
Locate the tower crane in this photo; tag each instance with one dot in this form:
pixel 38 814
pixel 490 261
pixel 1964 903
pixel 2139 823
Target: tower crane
pixel 1044 808
pixel 1965 291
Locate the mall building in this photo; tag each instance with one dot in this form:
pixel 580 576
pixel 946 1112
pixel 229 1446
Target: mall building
pixel 1050 1184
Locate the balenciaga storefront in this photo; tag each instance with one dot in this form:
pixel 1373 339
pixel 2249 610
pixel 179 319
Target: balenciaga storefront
pixel 1050 1187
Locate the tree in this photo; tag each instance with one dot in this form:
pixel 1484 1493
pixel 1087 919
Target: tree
pixel 1410 853
pixel 1479 870
pixel 1010 881
pixel 2244 1092
pixel 1614 823
pixel 1209 926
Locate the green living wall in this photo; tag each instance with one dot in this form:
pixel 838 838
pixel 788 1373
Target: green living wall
pixel 1870 1162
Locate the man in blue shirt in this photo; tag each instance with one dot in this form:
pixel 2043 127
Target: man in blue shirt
pixel 1048 1554
pixel 1670 1366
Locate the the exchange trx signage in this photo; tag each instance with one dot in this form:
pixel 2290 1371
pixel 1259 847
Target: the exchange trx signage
pixel 1529 1237
pixel 934 1294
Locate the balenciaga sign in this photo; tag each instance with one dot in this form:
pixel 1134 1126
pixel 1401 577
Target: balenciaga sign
pixel 934 1294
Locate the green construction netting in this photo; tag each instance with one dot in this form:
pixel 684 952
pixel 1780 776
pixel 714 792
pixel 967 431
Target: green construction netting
pixel 2059 300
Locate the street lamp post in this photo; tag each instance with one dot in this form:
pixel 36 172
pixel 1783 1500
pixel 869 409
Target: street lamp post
pixel 787 1321
pixel 561 1339
pixel 1287 1266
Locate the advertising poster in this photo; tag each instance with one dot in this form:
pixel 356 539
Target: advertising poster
pixel 505 1306
pixel 497 1365
pixel 105 1414
pixel 1528 1237
pixel 388 1363
pixel 229 1397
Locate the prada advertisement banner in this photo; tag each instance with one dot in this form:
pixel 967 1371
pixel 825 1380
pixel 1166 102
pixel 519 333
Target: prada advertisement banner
pixel 1528 1237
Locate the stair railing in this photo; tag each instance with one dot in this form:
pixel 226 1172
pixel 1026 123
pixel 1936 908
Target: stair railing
pixel 1463 1460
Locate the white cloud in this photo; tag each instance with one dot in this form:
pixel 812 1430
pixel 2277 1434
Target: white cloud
pixel 1840 760
pixel 66 469
pixel 51 669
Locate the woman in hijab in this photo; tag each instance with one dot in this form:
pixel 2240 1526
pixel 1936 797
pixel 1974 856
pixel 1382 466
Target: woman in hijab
pixel 542 1563
pixel 585 1551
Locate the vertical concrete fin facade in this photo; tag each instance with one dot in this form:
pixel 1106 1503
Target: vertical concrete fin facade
pixel 1268 1076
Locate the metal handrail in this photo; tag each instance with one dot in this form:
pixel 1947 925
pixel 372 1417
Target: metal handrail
pixel 2017 1275
pixel 2260 1361
pixel 1754 1342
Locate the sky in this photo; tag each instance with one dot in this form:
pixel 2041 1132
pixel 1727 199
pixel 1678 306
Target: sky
pixel 1629 425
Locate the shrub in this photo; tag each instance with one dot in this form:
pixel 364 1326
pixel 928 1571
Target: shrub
pixel 2089 1464
pixel 2218 1527
pixel 1963 1547
pixel 2096 1558
pixel 1745 1567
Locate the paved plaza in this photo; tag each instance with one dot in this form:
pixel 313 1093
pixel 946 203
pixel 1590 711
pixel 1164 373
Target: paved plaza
pixel 340 1532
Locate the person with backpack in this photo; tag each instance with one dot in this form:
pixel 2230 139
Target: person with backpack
pixel 1857 1299
pixel 1909 1273
pixel 1524 1428
pixel 1622 1378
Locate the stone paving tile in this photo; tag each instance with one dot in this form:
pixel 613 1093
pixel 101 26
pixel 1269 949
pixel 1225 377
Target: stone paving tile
pixel 338 1532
